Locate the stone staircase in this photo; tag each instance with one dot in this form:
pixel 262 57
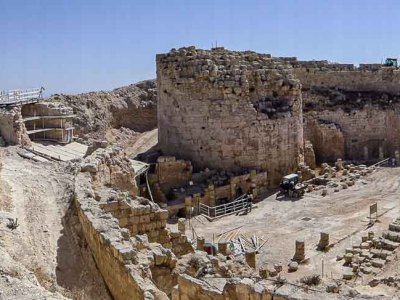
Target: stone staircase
pixel 372 253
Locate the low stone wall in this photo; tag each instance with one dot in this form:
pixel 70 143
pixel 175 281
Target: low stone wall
pixel 127 235
pixel 140 217
pixel 190 288
pixel 252 182
pixel 171 172
pixel 113 253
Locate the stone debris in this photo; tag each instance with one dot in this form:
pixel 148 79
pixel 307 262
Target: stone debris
pixel 323 241
pixel 372 252
pixel 293 266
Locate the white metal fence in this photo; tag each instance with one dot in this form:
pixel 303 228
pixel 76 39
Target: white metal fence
pixel 20 96
pixel 238 205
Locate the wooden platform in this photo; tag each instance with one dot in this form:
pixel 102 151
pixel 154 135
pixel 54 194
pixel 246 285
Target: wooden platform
pixel 33 118
pixel 61 152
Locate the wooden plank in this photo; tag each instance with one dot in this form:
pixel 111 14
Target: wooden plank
pixel 230 230
pixel 262 245
pixel 237 232
pixel 240 241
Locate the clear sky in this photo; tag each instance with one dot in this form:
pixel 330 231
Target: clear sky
pixel 72 46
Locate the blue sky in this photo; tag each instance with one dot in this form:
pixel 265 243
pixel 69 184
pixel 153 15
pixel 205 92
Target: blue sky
pixel 72 46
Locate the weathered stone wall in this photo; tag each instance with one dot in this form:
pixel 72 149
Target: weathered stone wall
pixel 350 113
pixel 12 129
pixel 190 288
pixel 309 154
pixel 171 172
pixel 229 110
pixel 114 254
pixel 127 235
pixel 366 133
pixel 254 182
pixel 109 167
pixel 366 77
pixel 326 138
pixel 140 216
pixel 386 80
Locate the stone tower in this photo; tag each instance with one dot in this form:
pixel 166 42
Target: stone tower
pixel 230 110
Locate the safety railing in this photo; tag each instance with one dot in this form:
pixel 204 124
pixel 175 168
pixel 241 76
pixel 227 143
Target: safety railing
pixel 20 96
pixel 238 205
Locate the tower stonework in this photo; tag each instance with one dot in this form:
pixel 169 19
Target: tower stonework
pixel 230 110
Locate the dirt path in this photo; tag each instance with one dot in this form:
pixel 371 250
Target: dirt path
pixel 39 195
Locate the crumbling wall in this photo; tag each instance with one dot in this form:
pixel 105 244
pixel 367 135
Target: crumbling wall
pixel 171 172
pixel 326 138
pixel 367 134
pixel 350 113
pixel 140 216
pixel 385 80
pixel 190 288
pixel 113 253
pixel 229 110
pixel 309 154
pixel 12 128
pixel 111 168
pixel 134 251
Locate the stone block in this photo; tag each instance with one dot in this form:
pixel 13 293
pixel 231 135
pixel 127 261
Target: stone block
pixel 299 251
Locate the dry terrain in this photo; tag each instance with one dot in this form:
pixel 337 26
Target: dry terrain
pixel 343 214
pixel 45 254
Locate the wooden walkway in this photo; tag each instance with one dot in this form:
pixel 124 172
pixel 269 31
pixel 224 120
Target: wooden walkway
pixel 61 152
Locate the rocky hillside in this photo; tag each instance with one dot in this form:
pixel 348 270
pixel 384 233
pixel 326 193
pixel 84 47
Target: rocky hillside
pixel 133 107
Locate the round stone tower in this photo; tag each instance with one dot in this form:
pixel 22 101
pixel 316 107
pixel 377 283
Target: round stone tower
pixel 230 110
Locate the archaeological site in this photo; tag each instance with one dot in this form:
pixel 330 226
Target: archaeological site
pixel 232 175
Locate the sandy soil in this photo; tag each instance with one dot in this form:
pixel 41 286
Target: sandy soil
pixel 132 142
pixel 45 245
pixel 343 214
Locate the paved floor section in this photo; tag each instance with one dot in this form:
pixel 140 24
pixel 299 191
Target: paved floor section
pixel 62 152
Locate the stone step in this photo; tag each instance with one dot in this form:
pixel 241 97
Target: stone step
pixel 378 263
pixel 380 253
pixel 391 235
pixel 394 227
pixel 389 245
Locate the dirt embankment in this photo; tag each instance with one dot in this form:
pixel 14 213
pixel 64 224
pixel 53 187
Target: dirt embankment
pixel 46 255
pixel 133 107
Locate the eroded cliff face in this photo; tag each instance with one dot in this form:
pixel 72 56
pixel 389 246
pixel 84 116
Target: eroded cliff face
pixel 229 110
pixel 132 107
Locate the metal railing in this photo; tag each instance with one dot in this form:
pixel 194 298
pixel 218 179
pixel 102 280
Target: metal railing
pixel 240 204
pixel 21 96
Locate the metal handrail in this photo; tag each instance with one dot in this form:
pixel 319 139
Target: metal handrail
pixel 235 206
pixel 20 96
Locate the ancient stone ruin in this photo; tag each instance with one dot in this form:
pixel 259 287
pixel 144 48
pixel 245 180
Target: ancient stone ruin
pixel 200 214
pixel 230 110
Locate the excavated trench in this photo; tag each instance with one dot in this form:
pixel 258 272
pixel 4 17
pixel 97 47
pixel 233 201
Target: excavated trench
pixel 47 247
pixel 76 269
